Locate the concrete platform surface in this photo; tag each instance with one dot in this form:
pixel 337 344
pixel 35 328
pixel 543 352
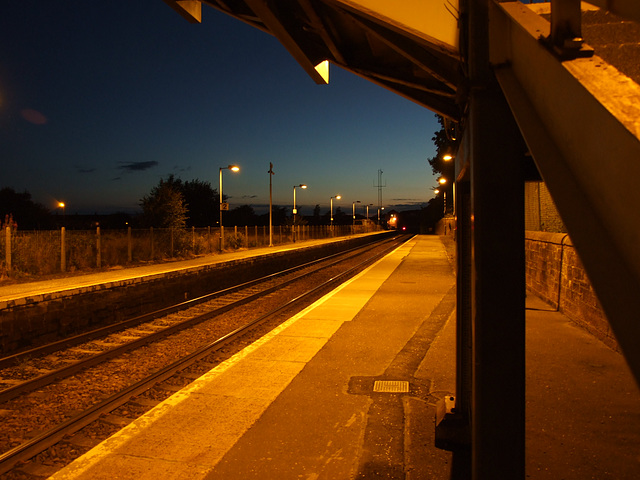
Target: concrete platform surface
pixel 347 389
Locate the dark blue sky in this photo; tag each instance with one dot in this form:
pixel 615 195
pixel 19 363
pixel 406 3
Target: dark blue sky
pixel 99 100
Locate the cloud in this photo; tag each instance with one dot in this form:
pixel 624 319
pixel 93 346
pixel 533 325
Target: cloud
pixel 80 169
pixel 137 166
pixel 249 196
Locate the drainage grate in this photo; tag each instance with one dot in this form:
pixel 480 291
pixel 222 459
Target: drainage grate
pixel 390 386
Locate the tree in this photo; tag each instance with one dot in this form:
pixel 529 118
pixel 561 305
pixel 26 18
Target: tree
pixel 202 202
pixel 241 216
pixel 341 218
pixel 446 143
pixel 316 215
pixel 23 211
pixel 165 206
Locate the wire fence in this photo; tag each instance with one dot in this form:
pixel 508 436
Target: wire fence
pixel 47 252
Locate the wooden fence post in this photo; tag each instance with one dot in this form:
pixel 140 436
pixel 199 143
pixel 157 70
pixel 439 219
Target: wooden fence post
pixel 7 247
pixel 98 248
pixel 63 253
pixel 129 245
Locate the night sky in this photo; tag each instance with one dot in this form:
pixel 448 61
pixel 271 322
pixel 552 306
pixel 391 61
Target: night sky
pixel 99 100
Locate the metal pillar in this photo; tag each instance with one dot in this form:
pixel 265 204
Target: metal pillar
pixel 497 268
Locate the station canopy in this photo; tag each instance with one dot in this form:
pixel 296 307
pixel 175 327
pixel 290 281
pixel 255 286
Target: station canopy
pixel 409 47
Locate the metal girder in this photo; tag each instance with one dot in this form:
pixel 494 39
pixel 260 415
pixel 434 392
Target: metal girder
pixel 323 29
pixel 625 8
pixel 408 48
pixel 273 22
pixel 439 66
pixel 433 20
pixel 581 121
pixel 190 10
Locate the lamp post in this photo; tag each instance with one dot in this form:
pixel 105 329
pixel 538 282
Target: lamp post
pixel 368 205
pixel 62 205
pixel 381 208
pixel 337 197
pixel 224 206
pixel 354 212
pixel 303 186
pixel 443 181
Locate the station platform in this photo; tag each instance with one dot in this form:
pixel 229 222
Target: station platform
pixel 60 284
pixel 348 388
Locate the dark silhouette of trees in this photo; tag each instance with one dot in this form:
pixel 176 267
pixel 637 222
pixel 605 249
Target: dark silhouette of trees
pixel 165 206
pixel 192 203
pixel 240 216
pixel 316 219
pixel 341 218
pixel 20 210
pixel 446 142
pixel 202 202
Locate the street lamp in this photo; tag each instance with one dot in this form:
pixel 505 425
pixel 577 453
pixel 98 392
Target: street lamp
pixel 368 205
pixel 354 212
pixel 224 206
pixel 337 197
pixel 442 181
pixel 381 208
pixel 62 205
pixel 303 186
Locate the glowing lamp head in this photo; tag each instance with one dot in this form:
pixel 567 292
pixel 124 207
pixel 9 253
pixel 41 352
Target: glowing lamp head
pixel 234 168
pixel 442 180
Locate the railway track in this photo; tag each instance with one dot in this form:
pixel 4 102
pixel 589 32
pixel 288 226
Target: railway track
pixel 86 368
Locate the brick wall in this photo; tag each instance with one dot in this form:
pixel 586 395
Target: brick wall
pixel 540 212
pixel 543 265
pixel 555 274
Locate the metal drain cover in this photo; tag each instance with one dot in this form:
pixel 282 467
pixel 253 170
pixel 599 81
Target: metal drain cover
pixel 390 386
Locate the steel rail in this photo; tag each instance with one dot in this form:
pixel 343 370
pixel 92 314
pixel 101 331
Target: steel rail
pixel 16 358
pixel 75 367
pixel 52 436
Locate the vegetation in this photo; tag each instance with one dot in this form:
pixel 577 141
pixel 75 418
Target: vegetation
pixel 446 142
pixel 19 210
pixel 165 206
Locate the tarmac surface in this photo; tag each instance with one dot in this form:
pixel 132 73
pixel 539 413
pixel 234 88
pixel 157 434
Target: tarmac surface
pixel 348 389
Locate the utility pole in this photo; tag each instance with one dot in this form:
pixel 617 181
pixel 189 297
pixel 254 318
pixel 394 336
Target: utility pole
pixel 380 186
pixel 271 174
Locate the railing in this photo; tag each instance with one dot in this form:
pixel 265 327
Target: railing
pixel 36 253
